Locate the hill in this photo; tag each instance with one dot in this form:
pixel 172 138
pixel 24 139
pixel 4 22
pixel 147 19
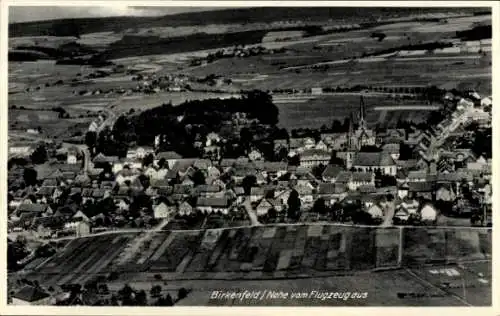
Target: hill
pixel 68 27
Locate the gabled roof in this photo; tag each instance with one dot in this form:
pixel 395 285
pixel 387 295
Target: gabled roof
pixel 45 191
pixel 49 183
pixel 32 208
pixel 331 188
pixel 332 171
pixel 344 177
pixel 373 159
pixel 420 186
pixel 206 188
pixel 256 191
pixel 100 158
pixel 362 176
pixel 214 202
pixel 309 153
pixel 30 294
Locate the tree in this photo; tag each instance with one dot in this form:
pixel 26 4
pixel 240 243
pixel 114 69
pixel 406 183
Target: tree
pixel 248 182
pixel 405 151
pixel 198 177
pixel 30 176
pixel 148 160
pixel 39 156
pixel 181 294
pixel 125 294
pixel 294 204
pixel 156 291
pixel 91 140
pixel 318 170
pixel 319 206
pixel 158 277
pixel 294 160
pixel 272 214
pixel 141 298
pixel 282 154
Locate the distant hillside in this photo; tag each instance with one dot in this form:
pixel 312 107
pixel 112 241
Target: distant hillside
pixel 65 27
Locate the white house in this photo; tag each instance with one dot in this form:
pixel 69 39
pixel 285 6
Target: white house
pixel 428 213
pixel 255 155
pixel 163 211
pixel 314 157
pixel 375 211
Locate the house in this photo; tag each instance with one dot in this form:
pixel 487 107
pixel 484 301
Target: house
pixel 263 207
pixel 403 191
pixel 34 208
pixel 207 190
pixel 314 157
pixel 72 156
pixel 30 295
pixel 334 141
pixel 185 208
pixel 445 193
pixel 139 152
pixel 301 144
pixel 417 176
pixel 212 138
pixel 256 194
pixel 331 172
pixel 331 192
pixel 305 191
pixel 321 145
pixel 392 149
pixel 375 211
pixel 273 169
pixel 213 205
pixel 255 155
pixel 163 211
pixel 83 228
pixel 421 190
pixel 280 144
pixel 240 194
pixel 101 161
pixel 171 157
pixel 375 161
pixel 428 213
pixel 359 179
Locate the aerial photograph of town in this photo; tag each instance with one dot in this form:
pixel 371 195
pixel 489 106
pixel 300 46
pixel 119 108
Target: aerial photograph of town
pixel 249 156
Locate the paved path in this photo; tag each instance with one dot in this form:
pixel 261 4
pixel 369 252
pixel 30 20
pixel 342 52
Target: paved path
pixel 389 211
pixel 251 213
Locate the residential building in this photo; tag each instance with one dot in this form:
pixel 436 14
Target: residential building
pixel 213 205
pixel 375 161
pixel 313 157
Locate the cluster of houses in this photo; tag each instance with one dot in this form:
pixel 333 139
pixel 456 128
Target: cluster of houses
pixel 180 186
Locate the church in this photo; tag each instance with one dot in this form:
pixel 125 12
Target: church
pixel 362 136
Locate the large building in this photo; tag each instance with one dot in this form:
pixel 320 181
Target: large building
pixel 375 161
pixel 362 136
pixel 314 157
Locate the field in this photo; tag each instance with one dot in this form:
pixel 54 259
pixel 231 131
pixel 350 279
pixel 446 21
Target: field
pixel 312 111
pixel 83 257
pixel 268 252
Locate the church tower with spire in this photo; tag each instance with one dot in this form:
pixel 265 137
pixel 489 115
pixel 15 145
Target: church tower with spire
pixel 351 144
pixel 364 136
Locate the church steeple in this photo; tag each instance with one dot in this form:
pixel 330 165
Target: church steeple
pixel 362 113
pixel 350 132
